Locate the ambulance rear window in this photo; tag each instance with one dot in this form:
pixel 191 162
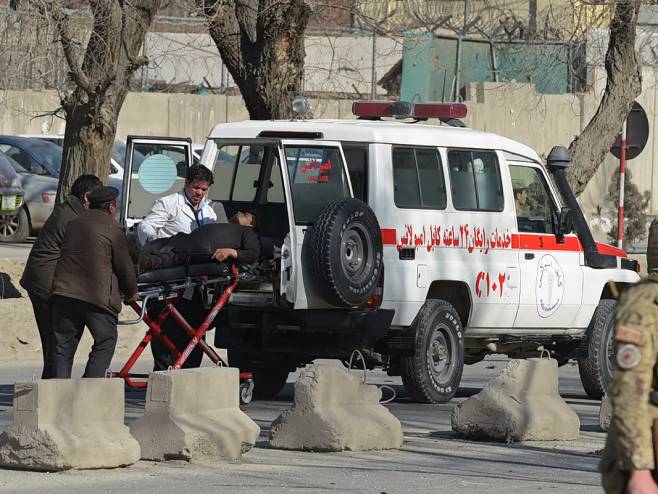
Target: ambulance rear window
pixel 418 178
pixel 475 180
pixel 317 176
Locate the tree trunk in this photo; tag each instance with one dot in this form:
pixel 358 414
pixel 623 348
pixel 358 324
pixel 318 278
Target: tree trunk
pixel 262 45
pixel 99 81
pixel 624 84
pixel 88 139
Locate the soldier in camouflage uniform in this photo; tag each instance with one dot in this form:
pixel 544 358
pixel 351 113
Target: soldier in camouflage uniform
pixel 628 459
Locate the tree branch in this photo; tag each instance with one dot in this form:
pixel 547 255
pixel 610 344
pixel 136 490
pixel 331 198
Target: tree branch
pixel 69 45
pixel 624 84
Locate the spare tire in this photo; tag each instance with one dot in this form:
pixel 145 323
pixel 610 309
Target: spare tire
pixel 346 252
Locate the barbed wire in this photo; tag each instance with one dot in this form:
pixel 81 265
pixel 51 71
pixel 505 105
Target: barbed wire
pixel 336 62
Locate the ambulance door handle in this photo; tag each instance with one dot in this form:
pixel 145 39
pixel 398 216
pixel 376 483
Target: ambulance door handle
pixel 529 256
pixel 512 277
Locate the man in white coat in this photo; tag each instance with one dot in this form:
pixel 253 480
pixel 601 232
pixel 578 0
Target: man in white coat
pixel 181 212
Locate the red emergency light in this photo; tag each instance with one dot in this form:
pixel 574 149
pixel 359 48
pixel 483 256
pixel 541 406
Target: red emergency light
pixel 371 109
pixel 439 110
pixel 402 109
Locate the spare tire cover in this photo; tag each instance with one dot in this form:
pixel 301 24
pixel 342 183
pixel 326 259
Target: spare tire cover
pixel 346 252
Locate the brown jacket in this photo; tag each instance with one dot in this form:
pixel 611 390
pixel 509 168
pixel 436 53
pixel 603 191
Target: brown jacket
pixel 38 275
pixel 95 264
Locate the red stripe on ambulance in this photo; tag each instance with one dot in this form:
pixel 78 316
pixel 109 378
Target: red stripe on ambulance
pixel 389 236
pixel 531 241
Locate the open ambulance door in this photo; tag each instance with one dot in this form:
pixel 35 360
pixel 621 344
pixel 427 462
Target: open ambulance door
pixel 315 173
pixel 155 167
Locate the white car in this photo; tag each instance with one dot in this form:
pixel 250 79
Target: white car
pixel 424 247
pixel 197 152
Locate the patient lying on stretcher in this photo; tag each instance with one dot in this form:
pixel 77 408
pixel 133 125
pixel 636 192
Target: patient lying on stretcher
pixel 219 241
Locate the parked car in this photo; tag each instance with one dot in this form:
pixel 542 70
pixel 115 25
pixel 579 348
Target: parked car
pixel 118 152
pixel 37 162
pixel 197 152
pixel 119 158
pixel 11 196
pixel 116 170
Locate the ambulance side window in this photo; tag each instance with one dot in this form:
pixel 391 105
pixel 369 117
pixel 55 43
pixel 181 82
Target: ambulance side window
pixel 357 164
pixel 535 209
pixel 236 171
pixel 418 178
pixel 475 180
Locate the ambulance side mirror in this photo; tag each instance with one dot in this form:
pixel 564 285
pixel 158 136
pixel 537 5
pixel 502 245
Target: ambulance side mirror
pixel 564 224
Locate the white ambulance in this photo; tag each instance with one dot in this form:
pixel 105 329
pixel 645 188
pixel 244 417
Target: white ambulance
pixel 425 247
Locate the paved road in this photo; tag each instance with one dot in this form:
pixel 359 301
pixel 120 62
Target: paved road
pixel 14 251
pixel 432 459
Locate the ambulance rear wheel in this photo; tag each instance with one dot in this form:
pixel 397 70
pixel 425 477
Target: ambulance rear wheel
pixel 268 379
pixel 596 369
pixel 433 373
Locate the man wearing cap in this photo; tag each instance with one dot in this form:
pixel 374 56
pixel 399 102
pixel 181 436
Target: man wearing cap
pixel 37 278
pixel 95 267
pixel 521 200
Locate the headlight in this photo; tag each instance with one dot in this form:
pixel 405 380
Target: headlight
pixel 16 183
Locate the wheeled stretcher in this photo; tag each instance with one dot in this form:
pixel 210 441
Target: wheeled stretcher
pixel 217 282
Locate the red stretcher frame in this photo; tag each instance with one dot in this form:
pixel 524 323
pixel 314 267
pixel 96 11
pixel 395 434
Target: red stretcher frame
pixel 196 336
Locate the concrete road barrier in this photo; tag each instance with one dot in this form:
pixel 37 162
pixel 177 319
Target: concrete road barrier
pixel 335 411
pixel 605 413
pixel 194 415
pixel 61 424
pixel 521 404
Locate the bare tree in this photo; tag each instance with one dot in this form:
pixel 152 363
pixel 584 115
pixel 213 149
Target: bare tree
pixel 624 84
pixel 262 44
pixel 101 60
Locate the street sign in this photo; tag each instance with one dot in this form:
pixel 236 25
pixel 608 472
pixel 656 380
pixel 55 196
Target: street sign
pixel 637 133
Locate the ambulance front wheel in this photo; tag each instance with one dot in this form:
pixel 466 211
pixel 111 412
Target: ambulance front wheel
pixel 596 369
pixel 433 373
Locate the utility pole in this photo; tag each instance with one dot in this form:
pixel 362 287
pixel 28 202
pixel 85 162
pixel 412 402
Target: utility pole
pixel 622 177
pixel 458 61
pixel 373 71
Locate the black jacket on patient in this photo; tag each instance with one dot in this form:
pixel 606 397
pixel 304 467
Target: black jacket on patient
pixel 199 246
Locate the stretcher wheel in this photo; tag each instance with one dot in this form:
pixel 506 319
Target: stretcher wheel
pixel 246 392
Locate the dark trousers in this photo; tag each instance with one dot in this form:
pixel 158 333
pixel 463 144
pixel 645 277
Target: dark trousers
pixel 70 316
pixel 194 312
pixel 43 314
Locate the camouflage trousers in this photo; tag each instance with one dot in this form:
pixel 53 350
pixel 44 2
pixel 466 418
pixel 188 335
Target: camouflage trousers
pixel 613 479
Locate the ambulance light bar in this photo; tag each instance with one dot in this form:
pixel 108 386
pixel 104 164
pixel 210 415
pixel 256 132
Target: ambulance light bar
pixel 371 109
pixel 403 109
pixel 439 110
